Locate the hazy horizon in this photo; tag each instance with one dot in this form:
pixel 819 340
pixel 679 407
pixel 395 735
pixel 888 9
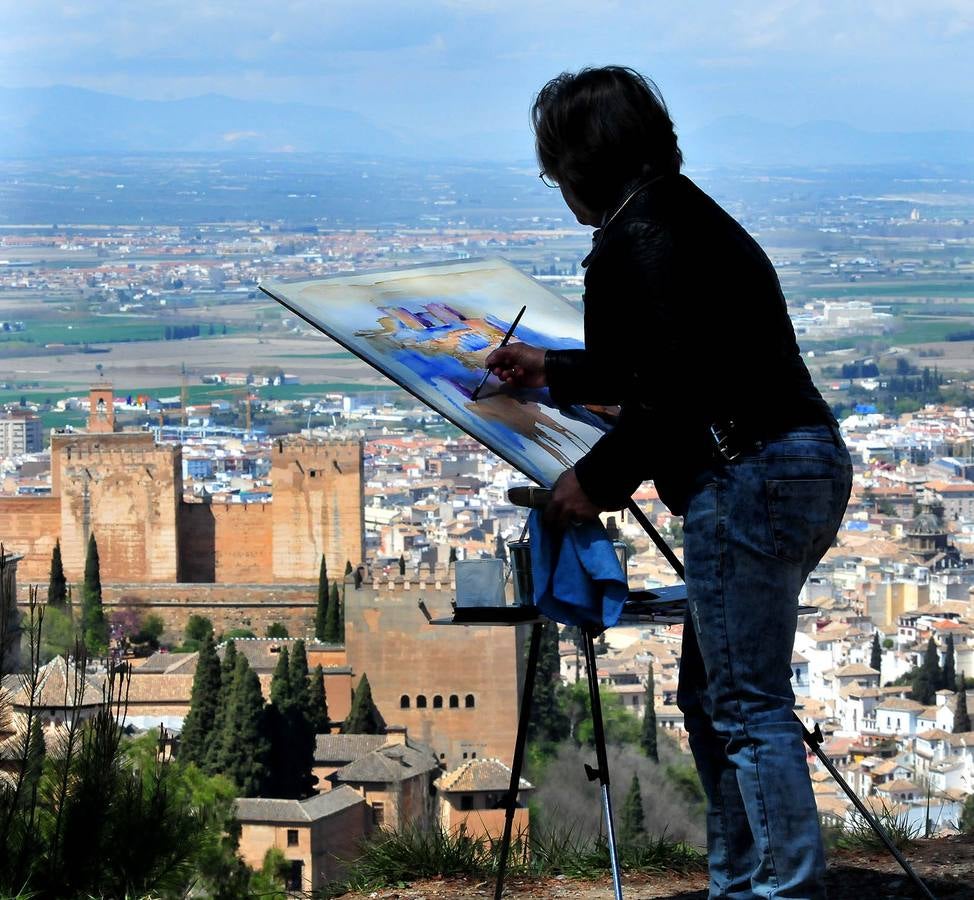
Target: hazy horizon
pixel 417 71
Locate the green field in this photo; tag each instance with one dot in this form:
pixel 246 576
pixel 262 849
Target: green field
pixel 99 330
pixel 887 290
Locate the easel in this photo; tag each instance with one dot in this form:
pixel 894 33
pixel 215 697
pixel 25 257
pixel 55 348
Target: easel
pixel 658 605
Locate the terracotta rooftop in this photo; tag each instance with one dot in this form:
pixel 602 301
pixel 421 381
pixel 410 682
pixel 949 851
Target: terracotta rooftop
pixel 58 686
pixel 479 775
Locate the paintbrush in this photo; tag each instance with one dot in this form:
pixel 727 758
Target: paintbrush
pixel 507 337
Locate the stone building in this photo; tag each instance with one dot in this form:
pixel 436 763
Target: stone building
pixel 456 689
pixel 471 796
pixel 165 552
pixel 317 835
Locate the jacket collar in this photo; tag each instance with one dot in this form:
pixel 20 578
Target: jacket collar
pixel 629 192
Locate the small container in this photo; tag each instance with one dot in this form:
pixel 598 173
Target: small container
pixel 622 553
pixel 480 582
pixel 520 556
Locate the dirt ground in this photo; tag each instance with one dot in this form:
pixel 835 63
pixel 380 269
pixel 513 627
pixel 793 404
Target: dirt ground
pixel 945 864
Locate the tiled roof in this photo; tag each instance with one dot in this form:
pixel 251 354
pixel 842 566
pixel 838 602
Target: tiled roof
pixel 59 686
pixel 900 705
pixel 392 763
pixel 345 748
pixel 479 775
pixel 160 662
pixel 855 670
pixel 901 784
pixel 297 812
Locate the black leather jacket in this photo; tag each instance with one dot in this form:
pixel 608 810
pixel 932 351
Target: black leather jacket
pixel 685 326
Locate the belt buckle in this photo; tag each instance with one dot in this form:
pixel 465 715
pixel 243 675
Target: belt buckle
pixel 722 439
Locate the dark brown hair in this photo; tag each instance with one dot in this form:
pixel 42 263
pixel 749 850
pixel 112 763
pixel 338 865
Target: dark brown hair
pixel 598 129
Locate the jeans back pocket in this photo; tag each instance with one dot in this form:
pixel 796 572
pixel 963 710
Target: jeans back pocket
pixel 803 516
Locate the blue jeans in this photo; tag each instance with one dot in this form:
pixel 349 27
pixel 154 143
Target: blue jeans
pixel 754 529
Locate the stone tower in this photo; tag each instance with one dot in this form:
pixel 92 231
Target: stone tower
pixel 101 414
pixel 456 689
pixel 317 507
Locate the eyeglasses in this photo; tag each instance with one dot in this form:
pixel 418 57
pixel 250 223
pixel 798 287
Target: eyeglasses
pixel 547 180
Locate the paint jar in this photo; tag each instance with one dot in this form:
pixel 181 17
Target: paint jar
pixel 480 582
pixel 519 553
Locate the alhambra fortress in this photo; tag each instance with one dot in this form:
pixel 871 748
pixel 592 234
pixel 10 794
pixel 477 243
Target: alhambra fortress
pixel 247 565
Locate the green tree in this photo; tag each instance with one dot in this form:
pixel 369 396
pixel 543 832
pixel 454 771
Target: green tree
pixel 332 634
pixel 227 668
pixel 150 631
pixel 298 677
pixel 949 674
pixel 340 603
pixel 548 723
pixel 648 738
pixel 198 628
pixel 876 653
pixel 348 567
pixel 245 746
pixel 453 557
pixel 281 681
pixel 57 584
pixel 236 633
pixel 363 717
pixel 621 726
pixel 402 565
pixel 926 680
pixel 500 548
pixel 962 719
pixel 94 626
pixel 276 630
pixel 198 728
pixel 632 827
pixel 318 716
pixel 321 608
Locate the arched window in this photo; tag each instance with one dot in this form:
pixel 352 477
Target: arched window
pixel 437 702
pixel 404 701
pixel 421 701
pixel 454 701
pixel 468 701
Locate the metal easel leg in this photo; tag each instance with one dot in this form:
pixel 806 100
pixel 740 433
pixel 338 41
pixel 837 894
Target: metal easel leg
pixel 510 799
pixel 814 740
pixel 602 772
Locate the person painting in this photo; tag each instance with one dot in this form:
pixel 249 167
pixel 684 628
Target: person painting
pixel 686 328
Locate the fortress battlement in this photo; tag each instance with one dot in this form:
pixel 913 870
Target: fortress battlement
pixel 291 448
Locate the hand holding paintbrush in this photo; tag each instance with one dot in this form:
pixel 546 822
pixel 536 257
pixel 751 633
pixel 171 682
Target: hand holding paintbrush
pixel 503 343
pixel 519 365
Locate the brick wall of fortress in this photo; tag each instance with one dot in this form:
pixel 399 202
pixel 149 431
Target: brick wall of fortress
pixel 388 638
pixel 127 490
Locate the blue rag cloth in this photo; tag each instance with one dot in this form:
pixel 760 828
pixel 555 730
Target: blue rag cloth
pixel 578 579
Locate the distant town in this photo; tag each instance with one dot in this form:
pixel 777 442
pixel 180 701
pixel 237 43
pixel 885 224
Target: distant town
pixel 230 464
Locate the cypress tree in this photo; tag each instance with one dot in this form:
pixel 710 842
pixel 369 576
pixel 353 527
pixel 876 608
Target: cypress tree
pixel 453 557
pixel 363 717
pixel 548 721
pixel 348 567
pixel 300 689
pixel 340 603
pixel 962 719
pixel 245 747
pixel 949 676
pixel 227 668
pixel 633 825
pixel 57 585
pixel 402 565
pixel 876 653
pixel 321 609
pixel 198 729
pixel 318 704
pixel 500 548
pixel 281 682
pixel 93 624
pixel 927 679
pixel 332 634
pixel 648 738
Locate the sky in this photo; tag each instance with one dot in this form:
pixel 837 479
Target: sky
pixel 438 66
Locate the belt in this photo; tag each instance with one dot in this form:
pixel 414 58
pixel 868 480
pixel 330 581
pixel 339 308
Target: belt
pixel 730 441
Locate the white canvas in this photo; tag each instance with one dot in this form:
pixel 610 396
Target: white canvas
pixel 430 328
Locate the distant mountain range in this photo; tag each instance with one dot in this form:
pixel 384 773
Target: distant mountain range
pixel 68 120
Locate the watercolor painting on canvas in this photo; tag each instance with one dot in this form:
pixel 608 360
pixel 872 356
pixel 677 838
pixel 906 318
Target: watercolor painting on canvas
pixel 430 328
